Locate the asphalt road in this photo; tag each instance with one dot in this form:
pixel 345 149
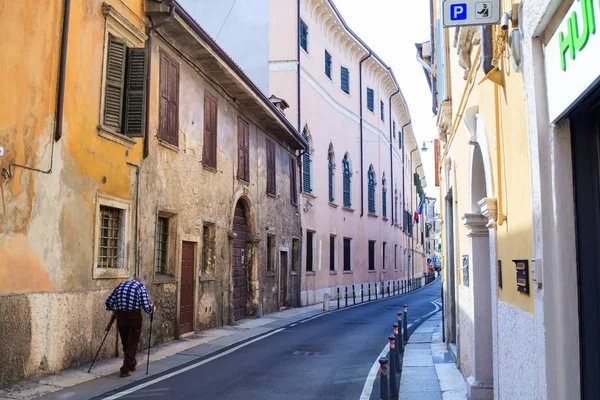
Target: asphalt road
pixel 323 358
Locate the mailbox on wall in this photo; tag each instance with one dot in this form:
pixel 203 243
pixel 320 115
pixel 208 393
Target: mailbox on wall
pixel 522 275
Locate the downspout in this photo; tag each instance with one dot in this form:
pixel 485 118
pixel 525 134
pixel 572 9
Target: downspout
pixel 403 171
pixel 391 150
pixel 360 107
pixel 433 61
pixel 60 94
pixel 171 4
pixel 137 219
pixel 298 64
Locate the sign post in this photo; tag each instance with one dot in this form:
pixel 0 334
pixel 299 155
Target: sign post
pixel 471 12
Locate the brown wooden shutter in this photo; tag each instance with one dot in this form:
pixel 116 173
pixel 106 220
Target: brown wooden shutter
pixel 135 109
pixel 243 151
pixel 271 183
pixel 168 125
pixel 293 181
pixel 209 156
pixel 115 82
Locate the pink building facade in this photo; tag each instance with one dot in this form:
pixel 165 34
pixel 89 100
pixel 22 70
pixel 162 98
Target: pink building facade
pixel 362 178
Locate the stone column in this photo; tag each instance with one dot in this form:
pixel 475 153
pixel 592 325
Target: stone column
pixel 481 379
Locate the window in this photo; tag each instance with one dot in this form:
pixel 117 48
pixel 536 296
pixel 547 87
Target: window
pixel 422 238
pixel 111 238
pixel 371 190
pixel 306 183
pixel 161 245
pixel 309 251
pixel 346 172
pixel 208 249
pixel 396 257
pixel 370 99
pixel 400 140
pixel 396 207
pixel 209 151
pixel 243 151
pixel 124 88
pixel 382 110
pixel 383 198
pixel 384 248
pixel 371 255
pixel 345 74
pixel 271 172
pixel 293 181
pixel 327 64
pixel 271 253
pixel 330 174
pixel 394 128
pixel 168 120
pixel 332 253
pixel 295 255
pixel 303 36
pixel 347 254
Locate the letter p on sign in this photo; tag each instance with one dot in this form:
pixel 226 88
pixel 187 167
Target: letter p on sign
pixel 458 12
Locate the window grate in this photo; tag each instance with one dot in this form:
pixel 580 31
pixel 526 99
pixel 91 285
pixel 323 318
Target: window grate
pixel 384 201
pixel 162 240
pixel 110 235
pixel 327 64
pixel 347 254
pixel 371 194
pixel 371 256
pixel 382 110
pixel 346 172
pixel 330 170
pixel 304 36
pixel 332 253
pixel 370 99
pixel 345 75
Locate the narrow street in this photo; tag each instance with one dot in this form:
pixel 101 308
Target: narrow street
pixel 325 357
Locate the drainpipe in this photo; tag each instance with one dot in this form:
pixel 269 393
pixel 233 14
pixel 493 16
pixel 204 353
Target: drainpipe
pixel 392 150
pixel 172 5
pixel 360 107
pixel 403 171
pixel 60 94
pixel 298 63
pixel 137 219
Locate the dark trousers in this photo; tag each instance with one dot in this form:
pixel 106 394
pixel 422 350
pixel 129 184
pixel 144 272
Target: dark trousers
pixel 129 324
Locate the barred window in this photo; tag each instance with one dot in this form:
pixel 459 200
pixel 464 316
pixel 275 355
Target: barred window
pixel 110 254
pixel 346 173
pixel 162 240
pixel 330 173
pixel 371 192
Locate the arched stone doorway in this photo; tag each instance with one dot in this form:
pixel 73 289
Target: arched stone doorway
pixel 482 368
pixel 244 272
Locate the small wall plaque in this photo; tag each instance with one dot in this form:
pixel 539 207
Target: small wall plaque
pixel 522 275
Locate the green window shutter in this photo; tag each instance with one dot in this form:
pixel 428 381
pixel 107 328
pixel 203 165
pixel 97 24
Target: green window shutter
pixel 135 92
pixel 115 82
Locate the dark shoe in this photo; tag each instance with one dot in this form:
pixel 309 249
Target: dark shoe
pixel 125 374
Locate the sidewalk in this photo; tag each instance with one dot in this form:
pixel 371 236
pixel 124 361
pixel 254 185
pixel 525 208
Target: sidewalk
pixel 428 370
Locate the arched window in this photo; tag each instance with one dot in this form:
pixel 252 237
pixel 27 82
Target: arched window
pixel 371 192
pixel 306 182
pixel 330 158
pixel 346 172
pixel 383 198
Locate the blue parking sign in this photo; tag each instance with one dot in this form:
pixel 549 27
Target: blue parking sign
pixel 458 12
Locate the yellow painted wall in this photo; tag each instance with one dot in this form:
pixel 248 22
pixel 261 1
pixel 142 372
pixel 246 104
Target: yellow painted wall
pixel 514 237
pixel 46 224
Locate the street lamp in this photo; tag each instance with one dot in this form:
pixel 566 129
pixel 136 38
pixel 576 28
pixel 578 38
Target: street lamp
pixel 424 148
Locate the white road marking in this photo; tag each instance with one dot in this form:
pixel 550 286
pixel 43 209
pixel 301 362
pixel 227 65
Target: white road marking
pixel 291 326
pixel 189 367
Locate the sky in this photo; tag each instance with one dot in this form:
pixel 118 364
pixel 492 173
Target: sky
pixel 391 28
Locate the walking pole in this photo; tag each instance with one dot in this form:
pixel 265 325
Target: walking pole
pixel 149 341
pixel 107 329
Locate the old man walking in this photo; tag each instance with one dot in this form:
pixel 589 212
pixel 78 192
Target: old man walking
pixel 127 301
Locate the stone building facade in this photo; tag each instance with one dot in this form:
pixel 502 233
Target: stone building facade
pixel 111 169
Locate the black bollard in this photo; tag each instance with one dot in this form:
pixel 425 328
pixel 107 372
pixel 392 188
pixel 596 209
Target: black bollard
pixel 369 292
pixel 383 379
pixel 362 293
pixel 397 350
pixel 405 329
pixel 353 295
pixel 346 296
pixel 400 342
pixel 392 375
pixel 338 297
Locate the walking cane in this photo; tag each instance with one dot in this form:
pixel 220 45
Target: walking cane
pixel 112 320
pixel 149 341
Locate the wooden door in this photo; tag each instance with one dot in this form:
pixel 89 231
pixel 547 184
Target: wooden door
pixel 186 302
pixel 239 273
pixel 283 274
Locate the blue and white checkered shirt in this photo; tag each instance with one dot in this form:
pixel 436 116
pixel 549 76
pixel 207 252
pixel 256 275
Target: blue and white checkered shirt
pixel 129 296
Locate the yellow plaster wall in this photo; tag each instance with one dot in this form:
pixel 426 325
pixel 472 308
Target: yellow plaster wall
pixel 46 220
pixel 514 237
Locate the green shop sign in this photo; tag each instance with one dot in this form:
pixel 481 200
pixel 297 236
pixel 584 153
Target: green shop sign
pixel 574 40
